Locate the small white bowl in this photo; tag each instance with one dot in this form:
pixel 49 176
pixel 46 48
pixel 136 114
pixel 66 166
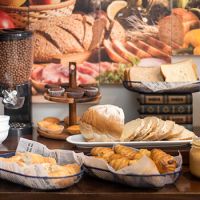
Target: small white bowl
pixel 4 133
pixel 4 120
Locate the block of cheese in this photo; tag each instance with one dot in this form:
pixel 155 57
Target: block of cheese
pixel 179 72
pixel 146 74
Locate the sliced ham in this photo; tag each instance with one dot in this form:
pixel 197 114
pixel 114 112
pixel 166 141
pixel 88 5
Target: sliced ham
pixel 36 73
pixel 85 78
pixel 53 73
pixel 134 49
pixel 94 66
pixel 87 70
pixel 113 55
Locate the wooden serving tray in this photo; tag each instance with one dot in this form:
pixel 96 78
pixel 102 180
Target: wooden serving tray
pixel 45 134
pixel 65 99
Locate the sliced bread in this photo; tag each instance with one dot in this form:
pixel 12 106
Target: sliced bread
pixel 150 124
pixel 177 129
pixel 184 135
pixel 179 72
pixel 146 74
pixel 132 129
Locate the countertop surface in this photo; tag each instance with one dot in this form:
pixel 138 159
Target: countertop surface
pixel 187 186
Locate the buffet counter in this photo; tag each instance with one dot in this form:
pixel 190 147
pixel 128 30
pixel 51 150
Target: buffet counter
pixel 187 186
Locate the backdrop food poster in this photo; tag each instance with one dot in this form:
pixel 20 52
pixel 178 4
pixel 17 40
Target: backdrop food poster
pixel 104 37
pixel 185 29
pixel 133 35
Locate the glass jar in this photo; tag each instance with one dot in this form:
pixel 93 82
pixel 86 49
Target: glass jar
pixel 195 157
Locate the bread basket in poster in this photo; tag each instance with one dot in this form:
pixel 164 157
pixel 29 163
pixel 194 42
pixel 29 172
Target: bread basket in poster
pixel 25 15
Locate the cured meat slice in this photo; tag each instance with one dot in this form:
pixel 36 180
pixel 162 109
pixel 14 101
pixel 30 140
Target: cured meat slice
pixel 85 78
pixel 87 70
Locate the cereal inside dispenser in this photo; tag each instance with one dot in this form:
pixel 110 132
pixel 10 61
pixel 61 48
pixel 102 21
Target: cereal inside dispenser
pixel 16 58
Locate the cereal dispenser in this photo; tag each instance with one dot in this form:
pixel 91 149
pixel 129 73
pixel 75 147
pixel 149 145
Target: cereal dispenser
pixel 15 88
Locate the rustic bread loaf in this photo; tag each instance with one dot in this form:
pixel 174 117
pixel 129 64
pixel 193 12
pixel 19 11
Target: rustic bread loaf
pixel 102 123
pixel 173 28
pixel 179 72
pixel 63 35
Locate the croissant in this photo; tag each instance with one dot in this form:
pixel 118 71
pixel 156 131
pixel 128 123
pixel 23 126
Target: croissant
pixel 125 151
pixel 164 162
pixel 31 158
pixel 115 156
pixel 120 163
pixel 102 152
pixel 145 152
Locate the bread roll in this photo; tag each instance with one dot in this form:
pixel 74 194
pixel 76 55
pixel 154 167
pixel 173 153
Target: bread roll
pixel 102 123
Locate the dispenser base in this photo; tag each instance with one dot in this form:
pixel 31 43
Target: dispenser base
pixel 20 128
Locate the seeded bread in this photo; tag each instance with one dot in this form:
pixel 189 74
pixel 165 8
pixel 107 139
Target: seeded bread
pixel 63 35
pixel 179 72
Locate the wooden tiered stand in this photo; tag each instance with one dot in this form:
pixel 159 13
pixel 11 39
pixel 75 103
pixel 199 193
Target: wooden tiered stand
pixel 70 101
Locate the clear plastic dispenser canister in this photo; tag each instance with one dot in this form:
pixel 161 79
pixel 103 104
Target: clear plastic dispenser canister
pixel 15 57
pixel 195 157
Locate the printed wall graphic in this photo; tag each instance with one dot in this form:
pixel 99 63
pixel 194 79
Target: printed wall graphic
pixel 186 27
pixel 104 37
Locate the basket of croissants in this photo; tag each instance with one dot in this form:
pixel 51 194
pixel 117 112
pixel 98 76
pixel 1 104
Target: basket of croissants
pixel 136 168
pixel 60 169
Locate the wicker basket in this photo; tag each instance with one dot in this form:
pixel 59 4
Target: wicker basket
pixel 23 16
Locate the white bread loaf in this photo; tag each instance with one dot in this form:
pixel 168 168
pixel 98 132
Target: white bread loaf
pixel 102 123
pixel 179 72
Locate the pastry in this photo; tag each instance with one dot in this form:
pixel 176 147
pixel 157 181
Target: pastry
pixel 125 151
pixel 55 129
pixel 73 130
pixel 42 125
pixel 164 162
pixel 102 152
pixel 32 158
pixel 102 123
pixel 122 156
pixel 115 156
pixel 119 163
pixel 53 120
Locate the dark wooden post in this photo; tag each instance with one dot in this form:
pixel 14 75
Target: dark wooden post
pixel 72 84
